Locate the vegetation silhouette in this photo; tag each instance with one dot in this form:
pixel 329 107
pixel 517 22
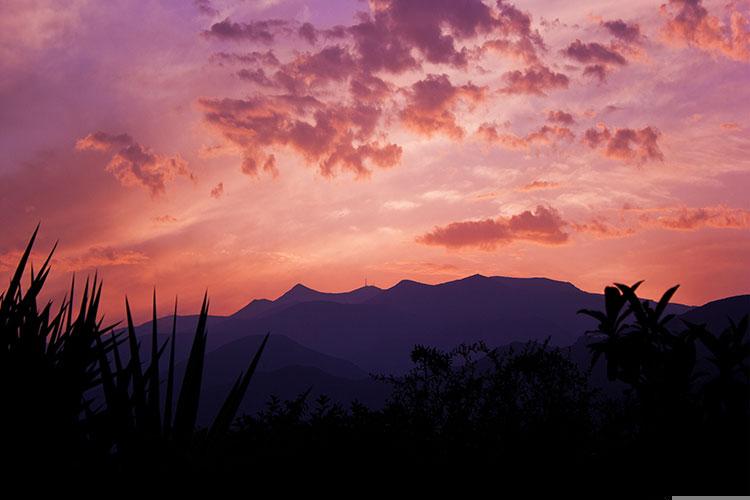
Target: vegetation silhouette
pixel 79 394
pixel 72 399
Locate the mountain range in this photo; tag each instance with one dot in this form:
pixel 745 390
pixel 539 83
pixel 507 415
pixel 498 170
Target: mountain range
pixel 331 341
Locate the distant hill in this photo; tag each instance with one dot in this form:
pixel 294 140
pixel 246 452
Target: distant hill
pixel 300 293
pixel 376 328
pixel 715 314
pixel 328 342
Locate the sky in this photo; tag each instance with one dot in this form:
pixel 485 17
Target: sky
pixel 242 146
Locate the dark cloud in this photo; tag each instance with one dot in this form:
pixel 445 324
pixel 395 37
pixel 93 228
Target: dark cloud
pixel 254 31
pixel 308 32
pixel 294 105
pixel 267 58
pixel 594 53
pixel 440 32
pixel 598 71
pixel 257 76
pixel 627 32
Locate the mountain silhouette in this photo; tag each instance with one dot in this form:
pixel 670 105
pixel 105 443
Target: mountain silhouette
pixel 328 342
pixel 300 293
pixel 376 328
pixel 715 314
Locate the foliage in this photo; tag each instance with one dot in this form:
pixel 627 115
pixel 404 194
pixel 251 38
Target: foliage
pixel 76 399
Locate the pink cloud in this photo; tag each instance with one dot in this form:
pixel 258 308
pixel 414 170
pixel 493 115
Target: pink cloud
pixel 626 144
pixel 339 137
pixel 545 135
pixel 543 226
pixel 598 71
pixel 217 191
pixel 430 104
pixel 537 185
pixel 165 219
pixel 136 165
pixel 689 23
pixel 535 79
pixel 693 218
pixel 731 126
pixel 601 228
pixel 205 7
pixel 559 116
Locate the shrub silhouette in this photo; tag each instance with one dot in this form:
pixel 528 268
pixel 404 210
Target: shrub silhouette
pixel 686 414
pixel 73 400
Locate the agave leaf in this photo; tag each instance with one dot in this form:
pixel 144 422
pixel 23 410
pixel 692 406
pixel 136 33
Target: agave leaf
pixel 153 373
pixel 170 376
pixel 186 411
pixel 15 281
pixel 135 369
pixel 226 415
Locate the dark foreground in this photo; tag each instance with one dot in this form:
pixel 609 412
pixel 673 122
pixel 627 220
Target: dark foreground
pixel 80 404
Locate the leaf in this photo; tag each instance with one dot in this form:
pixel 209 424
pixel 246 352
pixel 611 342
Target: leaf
pixel 170 376
pixel 153 386
pixel 664 301
pixel 15 281
pixel 189 399
pixel 226 415
pixel 134 366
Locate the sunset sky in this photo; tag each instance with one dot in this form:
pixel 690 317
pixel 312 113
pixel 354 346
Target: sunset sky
pixel 245 146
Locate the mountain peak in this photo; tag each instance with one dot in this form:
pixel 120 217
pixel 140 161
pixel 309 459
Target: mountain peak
pixel 298 291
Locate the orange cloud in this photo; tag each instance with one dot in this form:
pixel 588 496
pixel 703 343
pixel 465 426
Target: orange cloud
pixel 535 79
pixel 217 191
pixel 537 185
pixel 543 226
pixel 430 105
pixel 136 165
pixel 731 126
pixel 165 219
pixel 559 116
pixel 694 218
pixel 340 137
pixel 690 24
pixel 626 144
pixel 546 134
pixel 599 227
